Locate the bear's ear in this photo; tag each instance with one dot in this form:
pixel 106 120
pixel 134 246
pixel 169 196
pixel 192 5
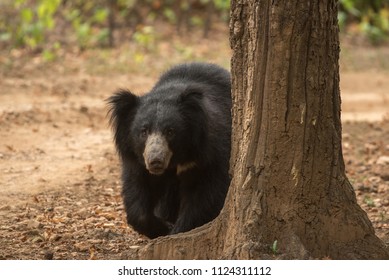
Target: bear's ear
pixel 193 110
pixel 121 104
pixel 122 108
pixel 191 98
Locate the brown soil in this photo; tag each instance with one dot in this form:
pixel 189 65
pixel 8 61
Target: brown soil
pixel 59 173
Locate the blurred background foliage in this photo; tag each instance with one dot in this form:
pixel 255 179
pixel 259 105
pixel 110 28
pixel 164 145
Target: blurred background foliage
pixel 90 23
pixel 369 18
pixel 47 26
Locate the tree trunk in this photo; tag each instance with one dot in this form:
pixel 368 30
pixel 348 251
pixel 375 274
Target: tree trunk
pixel 289 183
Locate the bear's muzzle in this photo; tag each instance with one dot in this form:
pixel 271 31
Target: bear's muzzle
pixel 157 154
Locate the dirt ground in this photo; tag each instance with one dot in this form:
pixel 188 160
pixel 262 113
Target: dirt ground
pixel 59 173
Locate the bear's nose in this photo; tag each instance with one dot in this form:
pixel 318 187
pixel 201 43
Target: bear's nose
pixel 156 164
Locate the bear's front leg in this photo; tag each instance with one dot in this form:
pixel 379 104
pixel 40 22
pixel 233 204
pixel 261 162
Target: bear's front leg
pixel 141 217
pixel 139 206
pixel 201 199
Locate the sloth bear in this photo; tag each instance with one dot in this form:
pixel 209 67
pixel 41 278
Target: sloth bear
pixel 174 144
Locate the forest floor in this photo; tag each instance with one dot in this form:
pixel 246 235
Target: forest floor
pixel 60 176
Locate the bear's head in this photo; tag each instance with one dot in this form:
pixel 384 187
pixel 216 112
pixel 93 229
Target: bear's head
pixel 164 129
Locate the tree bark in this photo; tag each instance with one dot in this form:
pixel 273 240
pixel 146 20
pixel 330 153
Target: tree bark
pixel 289 183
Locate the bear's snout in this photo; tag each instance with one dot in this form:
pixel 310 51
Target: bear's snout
pixel 157 154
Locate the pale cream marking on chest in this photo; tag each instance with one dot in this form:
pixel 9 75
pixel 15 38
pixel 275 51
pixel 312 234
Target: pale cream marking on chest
pixel 181 168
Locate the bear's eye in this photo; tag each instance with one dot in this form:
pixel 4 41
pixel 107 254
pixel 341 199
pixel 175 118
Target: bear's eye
pixel 169 132
pixel 144 131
